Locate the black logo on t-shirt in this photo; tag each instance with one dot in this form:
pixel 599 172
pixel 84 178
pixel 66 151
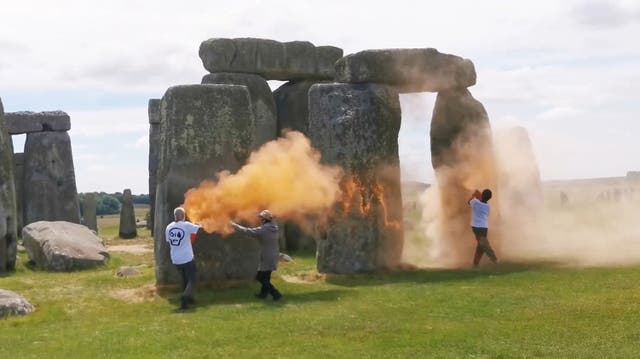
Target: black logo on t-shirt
pixel 175 236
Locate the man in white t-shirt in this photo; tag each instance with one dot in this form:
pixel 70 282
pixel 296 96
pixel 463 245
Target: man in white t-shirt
pixel 179 234
pixel 480 225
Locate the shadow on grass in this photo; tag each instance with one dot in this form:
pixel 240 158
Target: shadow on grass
pixel 245 295
pixel 433 275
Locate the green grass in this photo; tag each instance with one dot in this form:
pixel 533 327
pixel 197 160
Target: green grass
pixel 507 311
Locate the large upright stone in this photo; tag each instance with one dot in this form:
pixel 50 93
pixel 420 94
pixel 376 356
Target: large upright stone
pixel 410 70
pixel 28 122
pixel 356 127
pixel 49 179
pixel 8 237
pixel 520 192
pixel 89 209
pixel 292 102
pixel 154 156
pixel 463 160
pixel 204 129
pixel 18 179
pixel 273 60
pixel 262 104
pixel 127 217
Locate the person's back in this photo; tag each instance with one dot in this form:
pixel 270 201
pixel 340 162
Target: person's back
pixel 480 225
pixel 479 213
pixel 178 234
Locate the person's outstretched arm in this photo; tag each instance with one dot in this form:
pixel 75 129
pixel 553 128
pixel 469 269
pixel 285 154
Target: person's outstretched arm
pixel 476 194
pixel 255 232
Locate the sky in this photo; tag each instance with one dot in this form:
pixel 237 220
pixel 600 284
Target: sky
pixel 567 71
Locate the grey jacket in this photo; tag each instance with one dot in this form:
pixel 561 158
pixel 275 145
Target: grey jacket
pixel 269 246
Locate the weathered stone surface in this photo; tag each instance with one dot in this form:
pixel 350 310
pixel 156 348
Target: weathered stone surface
pixel 463 160
pixel 216 135
pixel 262 104
pixel 127 217
pixel 63 246
pixel 297 240
pixel 292 102
pixel 12 304
pixel 410 70
pixel 154 110
pixel 8 216
pixel 273 60
pixel 49 179
pixel 89 208
pixel 27 121
pixel 356 127
pixel 154 155
pixel 18 180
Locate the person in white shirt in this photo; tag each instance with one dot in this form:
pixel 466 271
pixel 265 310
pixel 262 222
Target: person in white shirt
pixel 480 225
pixel 179 234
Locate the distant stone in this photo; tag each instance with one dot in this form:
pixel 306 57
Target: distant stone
pixel 285 258
pixel 63 246
pixel 127 217
pixel 217 136
pixel 356 127
pixel 262 103
pixel 12 304
pixel 8 215
pixel 50 192
pixel 409 70
pixel 18 179
pixel 273 60
pixel 154 155
pixel 27 121
pixel 292 102
pixel 129 271
pixel 89 208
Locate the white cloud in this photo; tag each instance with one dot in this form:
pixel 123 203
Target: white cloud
pixel 109 122
pixel 142 143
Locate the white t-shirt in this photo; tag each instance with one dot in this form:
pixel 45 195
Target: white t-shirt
pixel 178 234
pixel 479 213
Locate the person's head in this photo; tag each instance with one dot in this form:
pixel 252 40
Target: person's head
pixel 265 216
pixel 179 214
pixel 486 195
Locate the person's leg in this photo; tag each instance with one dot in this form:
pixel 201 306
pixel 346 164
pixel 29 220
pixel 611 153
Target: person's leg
pixel 478 255
pixel 272 290
pixel 486 247
pixel 260 277
pixel 190 275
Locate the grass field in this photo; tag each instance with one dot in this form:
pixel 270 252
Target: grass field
pixel 507 311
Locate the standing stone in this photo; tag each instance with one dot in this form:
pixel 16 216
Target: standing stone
pixel 273 60
pixel 520 192
pixel 262 104
pixel 204 129
pixel 292 102
pixel 89 208
pixel 127 217
pixel 462 157
pixel 356 127
pixel 410 70
pixel 8 237
pixel 154 156
pixel 49 179
pixel 18 178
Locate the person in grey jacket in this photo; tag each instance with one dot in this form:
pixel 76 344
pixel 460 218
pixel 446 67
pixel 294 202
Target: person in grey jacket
pixel 267 233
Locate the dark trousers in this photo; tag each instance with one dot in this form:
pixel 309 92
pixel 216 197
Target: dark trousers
pixel 264 277
pixel 188 273
pixel 482 246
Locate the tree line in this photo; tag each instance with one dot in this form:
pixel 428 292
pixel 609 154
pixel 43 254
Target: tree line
pixel 110 203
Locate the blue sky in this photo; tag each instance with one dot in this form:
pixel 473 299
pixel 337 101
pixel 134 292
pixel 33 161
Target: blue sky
pixel 567 71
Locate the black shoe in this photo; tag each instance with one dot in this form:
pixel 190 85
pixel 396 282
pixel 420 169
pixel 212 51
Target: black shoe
pixel 190 300
pixel 261 295
pixel 276 296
